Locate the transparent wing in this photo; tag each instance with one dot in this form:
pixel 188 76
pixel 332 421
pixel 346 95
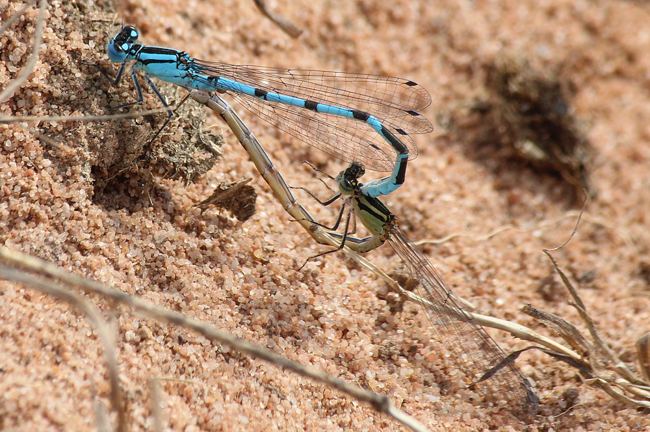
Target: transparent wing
pixel 393 101
pixel 471 346
pixel 341 137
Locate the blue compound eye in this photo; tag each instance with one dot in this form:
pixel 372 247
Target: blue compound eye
pixel 127 36
pixel 130 34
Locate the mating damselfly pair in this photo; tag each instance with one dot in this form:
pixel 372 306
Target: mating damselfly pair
pixel 363 119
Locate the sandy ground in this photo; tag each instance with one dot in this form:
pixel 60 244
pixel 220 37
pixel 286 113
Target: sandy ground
pixel 143 235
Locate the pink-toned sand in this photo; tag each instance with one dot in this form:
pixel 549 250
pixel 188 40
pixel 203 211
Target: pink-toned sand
pixel 244 278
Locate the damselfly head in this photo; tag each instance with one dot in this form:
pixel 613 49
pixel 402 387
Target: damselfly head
pixel 119 46
pixel 347 180
pixel 355 171
pixel 346 185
